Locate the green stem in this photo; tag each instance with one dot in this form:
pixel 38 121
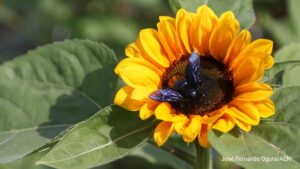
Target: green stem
pixel 203 158
pixel 178 153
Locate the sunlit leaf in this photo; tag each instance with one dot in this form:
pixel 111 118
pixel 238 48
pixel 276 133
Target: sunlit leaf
pixel 47 90
pixel 110 134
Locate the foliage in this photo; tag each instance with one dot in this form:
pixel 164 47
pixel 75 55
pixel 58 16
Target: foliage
pixel 265 141
pixel 286 29
pixel 109 134
pixel 49 89
pixel 56 100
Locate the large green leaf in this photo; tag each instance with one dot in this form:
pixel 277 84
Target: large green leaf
pixel 243 9
pixel 47 90
pixel 176 142
pixel 108 135
pixel 275 138
pixel 27 162
pixel 288 53
pixel 287 106
pixel 241 147
pixel 275 75
pixel 156 155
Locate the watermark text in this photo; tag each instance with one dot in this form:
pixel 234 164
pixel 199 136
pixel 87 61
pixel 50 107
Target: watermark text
pixel 266 159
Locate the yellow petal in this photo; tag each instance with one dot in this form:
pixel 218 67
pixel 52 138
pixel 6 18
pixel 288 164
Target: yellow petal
pixel 242 125
pixel 237 46
pixel 162 132
pixel 237 115
pixel 142 93
pixel 223 34
pixel 266 108
pixel 214 116
pixel 183 25
pixel 260 49
pixel 124 99
pixel 148 42
pixel 132 51
pixel 180 125
pixel 249 70
pixel 261 45
pixel 202 27
pixel 192 128
pixel 269 62
pixel 147 110
pixel 165 112
pixel 169 39
pixel 166 18
pixel 203 137
pixel 136 73
pixel 224 124
pixel 244 111
pixel 253 92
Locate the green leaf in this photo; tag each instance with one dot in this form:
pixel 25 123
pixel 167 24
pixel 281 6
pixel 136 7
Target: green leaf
pixel 110 134
pixel 27 162
pixel 176 141
pixel 241 147
pixel 178 148
pixel 47 90
pixel 274 76
pixel 287 101
pixel 276 138
pixel 243 9
pixel 289 53
pixel 175 5
pixel 156 155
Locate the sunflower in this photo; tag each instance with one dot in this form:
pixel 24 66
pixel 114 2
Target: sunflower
pixel 196 72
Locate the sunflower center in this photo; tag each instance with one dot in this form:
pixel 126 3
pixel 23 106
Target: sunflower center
pixel 211 88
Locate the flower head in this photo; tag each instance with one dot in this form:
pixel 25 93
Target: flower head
pixel 196 72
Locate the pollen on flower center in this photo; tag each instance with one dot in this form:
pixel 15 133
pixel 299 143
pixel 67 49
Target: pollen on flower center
pixel 214 89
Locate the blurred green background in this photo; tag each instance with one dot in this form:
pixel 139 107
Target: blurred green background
pixel 27 24
pixel 24 25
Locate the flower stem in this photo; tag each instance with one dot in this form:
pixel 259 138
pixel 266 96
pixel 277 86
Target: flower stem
pixel 188 158
pixel 180 154
pixel 203 158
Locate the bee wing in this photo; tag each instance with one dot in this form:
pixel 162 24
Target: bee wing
pixel 166 95
pixel 192 71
